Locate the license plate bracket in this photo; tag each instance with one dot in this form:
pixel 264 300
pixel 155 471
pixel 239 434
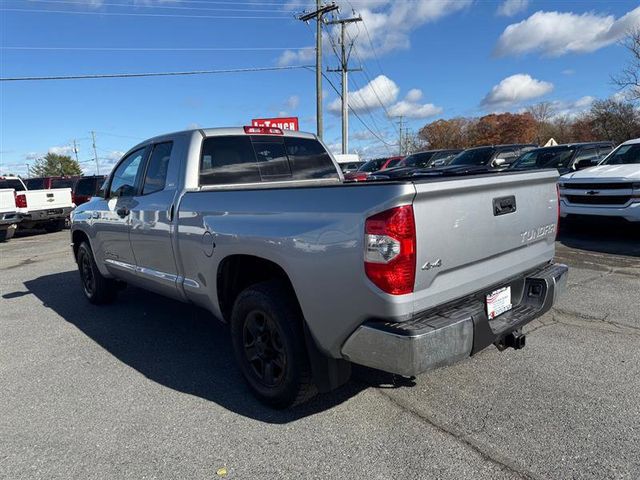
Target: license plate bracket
pixel 498 302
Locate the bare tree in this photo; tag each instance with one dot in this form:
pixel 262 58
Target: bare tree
pixel 629 80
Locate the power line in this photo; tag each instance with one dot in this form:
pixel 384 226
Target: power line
pixel 141 5
pixel 151 74
pixel 158 49
pixel 387 145
pixel 127 14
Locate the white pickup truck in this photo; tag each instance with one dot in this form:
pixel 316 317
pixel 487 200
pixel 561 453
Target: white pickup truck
pixel 46 209
pixel 611 189
pixel 9 217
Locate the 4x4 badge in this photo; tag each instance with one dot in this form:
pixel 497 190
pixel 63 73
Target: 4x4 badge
pixel 430 265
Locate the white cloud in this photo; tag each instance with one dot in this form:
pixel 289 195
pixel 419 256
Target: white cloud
pixel 556 33
pixel 514 90
pixel 388 23
pixel 62 150
pixel 292 102
pixel 509 8
pixel 568 71
pixel 410 108
pixel 413 95
pixel 380 90
pixel 294 57
pixel 571 108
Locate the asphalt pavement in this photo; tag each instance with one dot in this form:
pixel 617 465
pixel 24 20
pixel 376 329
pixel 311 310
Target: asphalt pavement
pixel 147 388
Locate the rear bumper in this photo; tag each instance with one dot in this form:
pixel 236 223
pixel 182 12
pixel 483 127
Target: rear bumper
pixel 47 214
pixel 452 332
pixel 9 218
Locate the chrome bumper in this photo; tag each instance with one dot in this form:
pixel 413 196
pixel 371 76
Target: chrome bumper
pixel 452 332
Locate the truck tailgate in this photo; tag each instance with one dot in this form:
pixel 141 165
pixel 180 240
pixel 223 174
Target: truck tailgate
pixel 7 200
pixel 474 233
pixel 48 199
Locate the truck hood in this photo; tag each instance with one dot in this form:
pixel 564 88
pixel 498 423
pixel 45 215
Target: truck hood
pixel 610 172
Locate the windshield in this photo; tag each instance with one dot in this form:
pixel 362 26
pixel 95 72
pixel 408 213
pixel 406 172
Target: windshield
pixel 418 160
pixel 474 156
pixel 372 165
pixel 11 183
pixel 546 158
pixel 393 163
pixel 34 183
pixel 62 182
pixel 624 155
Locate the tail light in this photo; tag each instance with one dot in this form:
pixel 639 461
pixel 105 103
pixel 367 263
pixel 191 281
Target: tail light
pixel 264 130
pixel 390 250
pixel 558 222
pixel 21 200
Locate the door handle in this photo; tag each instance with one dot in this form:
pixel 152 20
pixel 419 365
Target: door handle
pixel 122 212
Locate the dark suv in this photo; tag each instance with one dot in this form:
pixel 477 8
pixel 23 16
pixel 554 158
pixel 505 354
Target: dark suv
pixel 493 156
pixel 566 158
pixel 417 161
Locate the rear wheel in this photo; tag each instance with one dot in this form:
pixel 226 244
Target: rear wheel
pixel 54 226
pixel 97 288
pixel 6 234
pixel 268 342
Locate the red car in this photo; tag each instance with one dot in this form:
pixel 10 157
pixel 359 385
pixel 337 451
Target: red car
pixel 372 166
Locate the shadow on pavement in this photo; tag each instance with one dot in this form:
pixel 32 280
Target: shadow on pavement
pixel 601 235
pixel 177 345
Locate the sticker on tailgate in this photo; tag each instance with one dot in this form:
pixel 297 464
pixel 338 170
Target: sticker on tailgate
pixel 498 302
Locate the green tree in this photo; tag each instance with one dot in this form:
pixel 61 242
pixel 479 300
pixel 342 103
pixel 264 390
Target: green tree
pixel 52 165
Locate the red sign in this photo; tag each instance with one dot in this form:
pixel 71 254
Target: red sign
pixel 285 123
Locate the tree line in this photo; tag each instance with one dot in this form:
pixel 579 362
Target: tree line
pixel 612 119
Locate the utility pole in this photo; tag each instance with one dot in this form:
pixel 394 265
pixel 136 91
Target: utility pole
pixel 318 14
pixel 400 146
pixel 28 170
pixel 75 149
pixel 344 68
pixel 95 153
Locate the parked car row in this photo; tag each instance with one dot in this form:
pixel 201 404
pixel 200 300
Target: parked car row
pixel 44 202
pixel 597 180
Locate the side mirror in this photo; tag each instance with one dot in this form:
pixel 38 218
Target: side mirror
pixel 499 162
pixel 585 163
pixel 125 191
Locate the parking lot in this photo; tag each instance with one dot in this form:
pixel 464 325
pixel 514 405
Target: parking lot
pixel 147 388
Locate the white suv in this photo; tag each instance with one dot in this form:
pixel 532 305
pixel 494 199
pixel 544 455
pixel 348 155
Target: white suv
pixel 611 189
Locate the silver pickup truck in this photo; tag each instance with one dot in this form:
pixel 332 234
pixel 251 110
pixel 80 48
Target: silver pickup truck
pixel 312 273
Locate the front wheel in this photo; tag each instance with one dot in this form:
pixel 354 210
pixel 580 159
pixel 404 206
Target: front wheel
pixel 268 342
pixel 97 288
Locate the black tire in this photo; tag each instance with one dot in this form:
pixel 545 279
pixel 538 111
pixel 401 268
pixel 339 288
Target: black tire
pixel 54 226
pixel 98 289
pixel 7 233
pixel 268 342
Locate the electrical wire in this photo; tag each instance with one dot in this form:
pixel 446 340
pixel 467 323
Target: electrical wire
pixel 162 15
pixel 334 48
pixel 166 7
pixel 158 49
pixel 151 74
pixel 353 111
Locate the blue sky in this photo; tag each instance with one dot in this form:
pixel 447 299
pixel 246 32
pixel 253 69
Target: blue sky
pixel 425 59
